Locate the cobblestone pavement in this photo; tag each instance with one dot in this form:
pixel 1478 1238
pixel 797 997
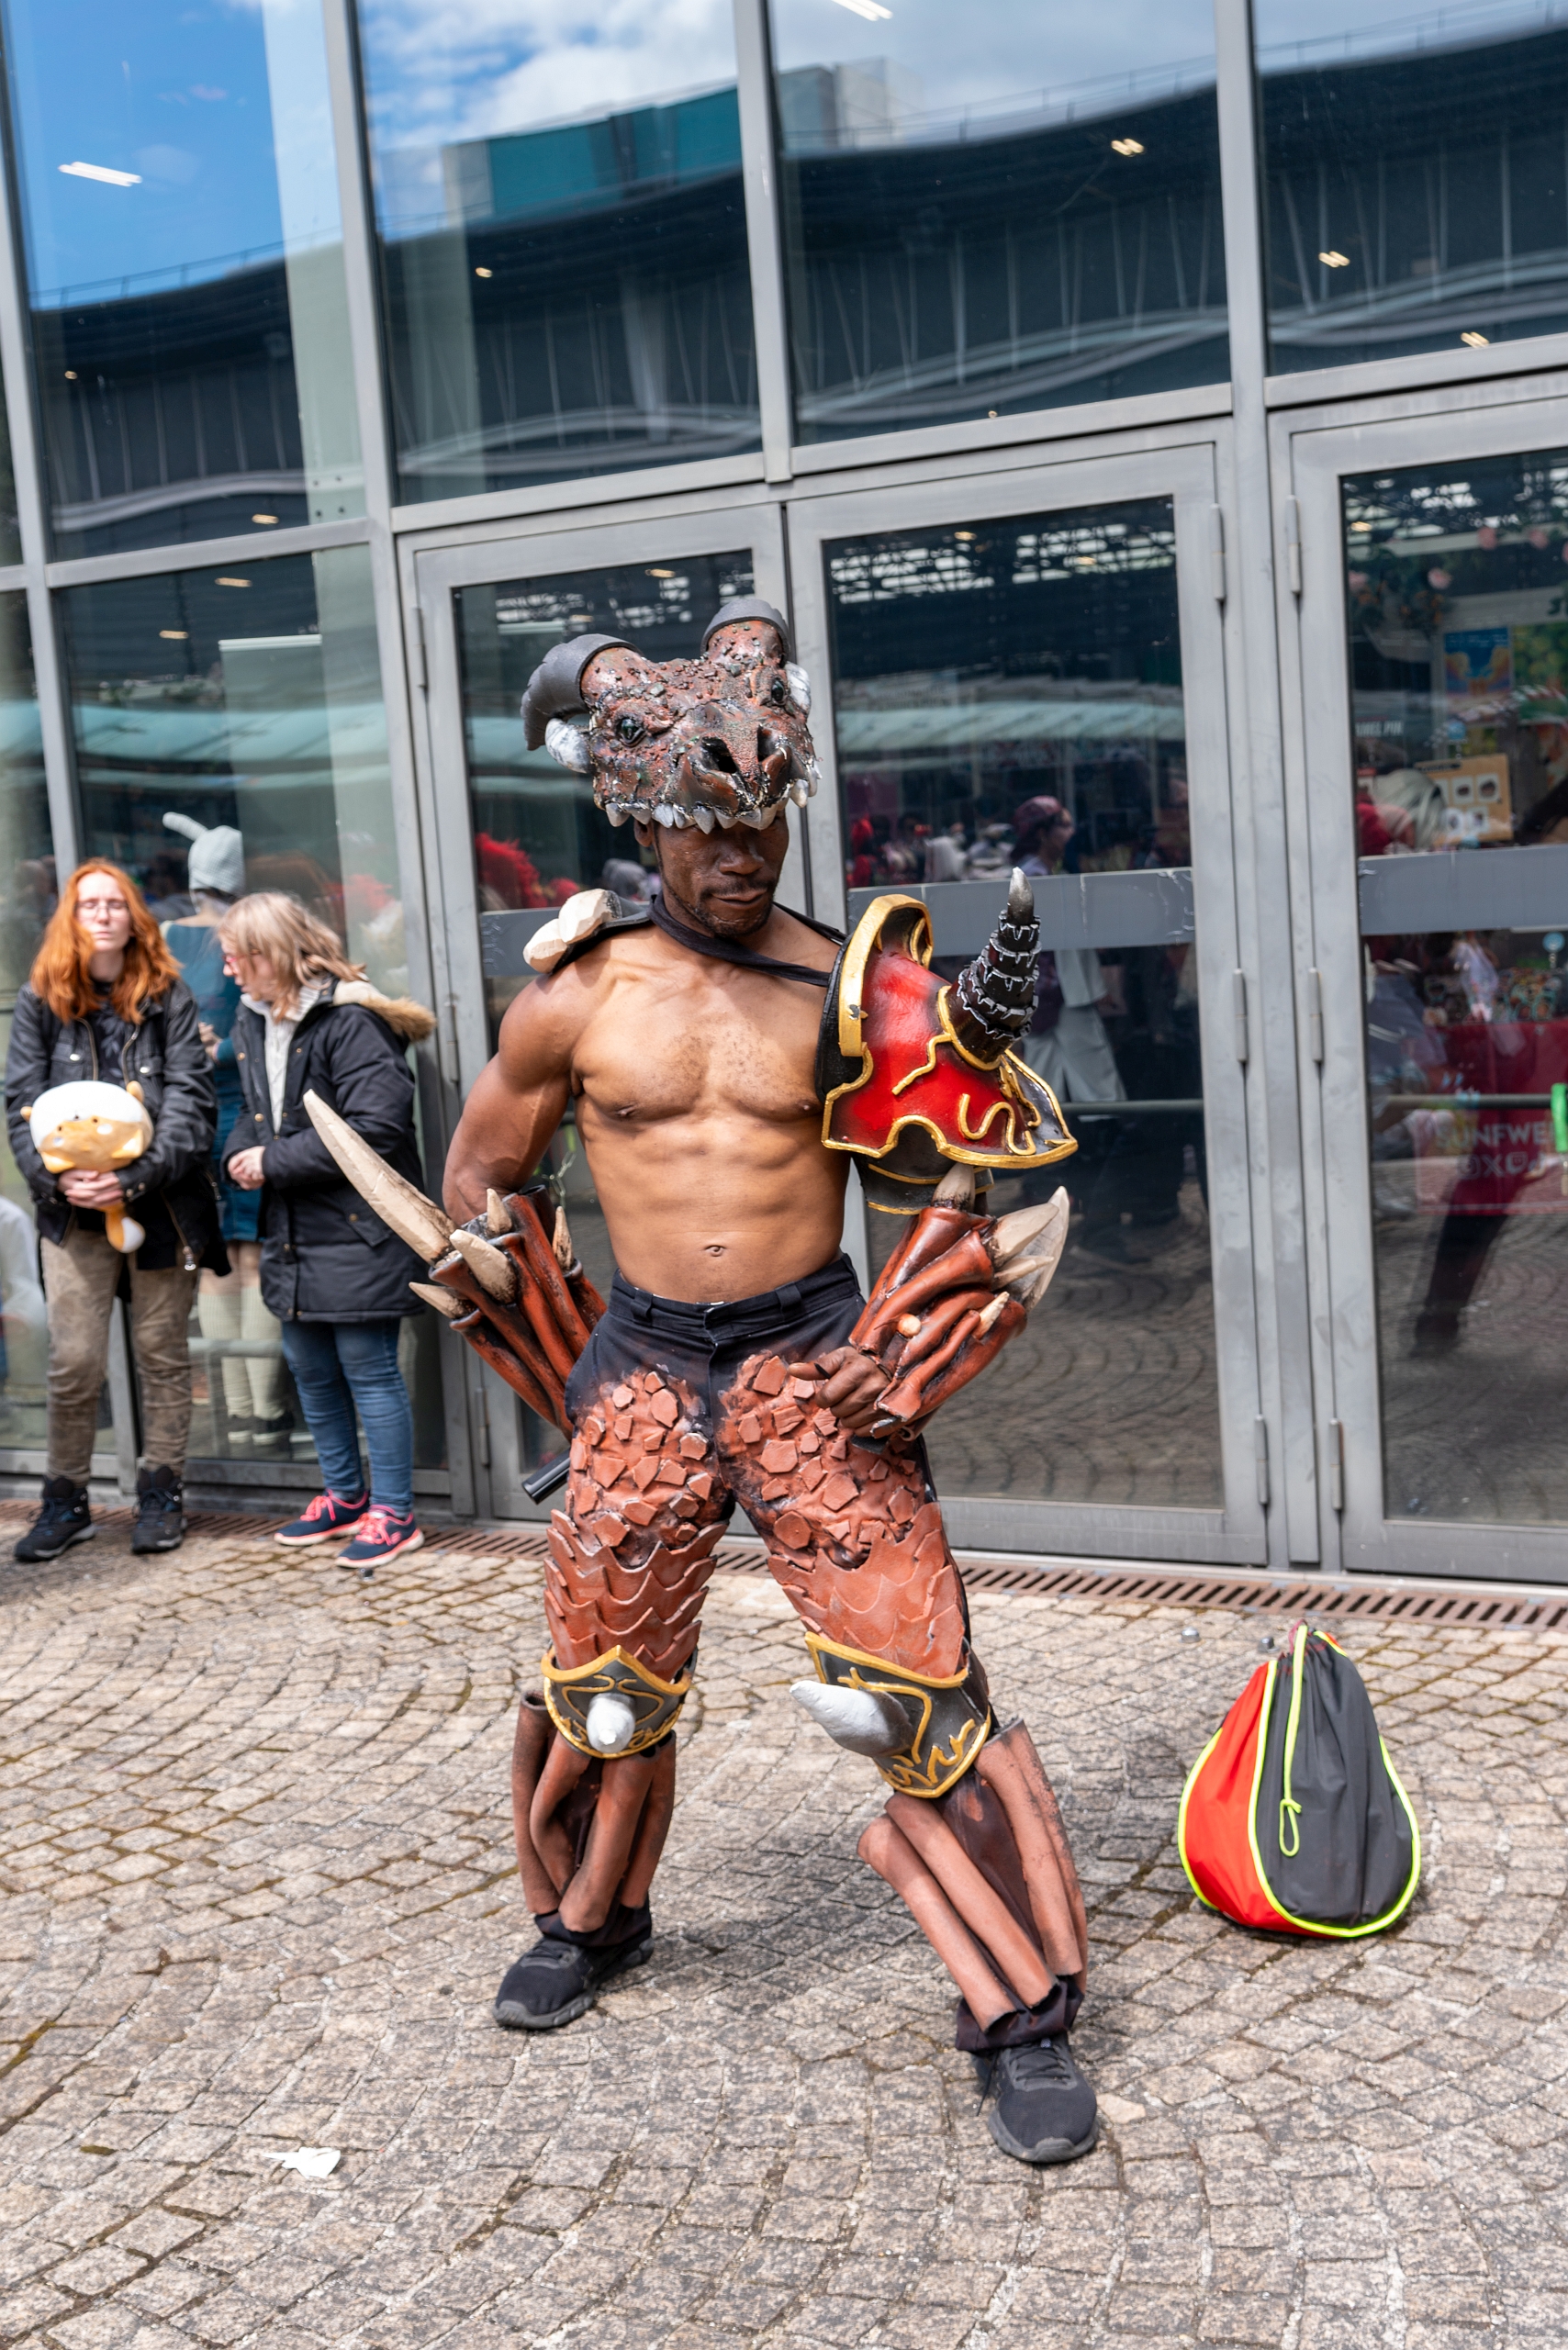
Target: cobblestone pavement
pixel 253 1851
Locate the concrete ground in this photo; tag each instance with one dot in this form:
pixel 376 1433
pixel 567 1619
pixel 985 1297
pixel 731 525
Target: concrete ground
pixel 257 1895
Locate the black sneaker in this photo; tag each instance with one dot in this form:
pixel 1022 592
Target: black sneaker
pixel 159 1511
pixel 63 1520
pixel 555 1982
pixel 1043 2110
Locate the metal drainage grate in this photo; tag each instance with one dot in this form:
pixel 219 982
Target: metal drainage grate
pixel 1370 1601
pixel 1380 1602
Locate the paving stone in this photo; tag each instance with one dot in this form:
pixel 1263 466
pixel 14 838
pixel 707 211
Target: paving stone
pixel 256 1891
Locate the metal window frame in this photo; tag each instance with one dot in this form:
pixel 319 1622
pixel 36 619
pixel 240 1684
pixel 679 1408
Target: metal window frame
pixel 1312 453
pixel 1184 468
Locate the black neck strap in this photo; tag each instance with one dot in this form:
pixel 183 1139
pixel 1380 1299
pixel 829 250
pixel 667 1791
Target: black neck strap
pixel 725 950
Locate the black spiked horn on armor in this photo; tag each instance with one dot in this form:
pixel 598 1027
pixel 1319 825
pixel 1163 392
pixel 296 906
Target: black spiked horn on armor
pixel 992 1001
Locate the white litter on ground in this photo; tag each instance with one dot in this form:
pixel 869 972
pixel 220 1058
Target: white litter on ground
pixel 311 2162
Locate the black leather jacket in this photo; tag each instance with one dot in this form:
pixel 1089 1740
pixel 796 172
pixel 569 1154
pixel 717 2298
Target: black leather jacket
pixel 166 1056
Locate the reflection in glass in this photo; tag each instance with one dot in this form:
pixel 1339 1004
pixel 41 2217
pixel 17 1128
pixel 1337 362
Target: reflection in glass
pixel 1457 602
pixel 1012 691
pixel 563 240
pixel 184 262
pixel 537 835
pixel 248 700
pixel 1414 165
pixel 986 210
pixel 28 881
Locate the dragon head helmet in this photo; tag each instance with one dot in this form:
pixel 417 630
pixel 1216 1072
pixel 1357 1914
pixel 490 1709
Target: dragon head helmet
pixel 721 740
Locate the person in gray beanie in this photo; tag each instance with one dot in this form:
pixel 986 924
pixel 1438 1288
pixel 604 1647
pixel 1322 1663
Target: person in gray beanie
pixel 254 1420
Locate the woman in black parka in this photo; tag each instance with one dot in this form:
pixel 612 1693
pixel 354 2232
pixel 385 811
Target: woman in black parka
pixel 105 1000
pixel 336 1277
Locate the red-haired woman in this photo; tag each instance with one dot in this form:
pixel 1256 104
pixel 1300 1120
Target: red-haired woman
pixel 105 1000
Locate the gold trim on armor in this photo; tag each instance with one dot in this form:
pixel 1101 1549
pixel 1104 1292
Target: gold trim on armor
pixel 950 1729
pixel 569 1690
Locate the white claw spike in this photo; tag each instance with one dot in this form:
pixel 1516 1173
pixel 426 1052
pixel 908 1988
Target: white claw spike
pixel 497 1218
pixel 1012 1236
pixel 861 1719
pixel 612 1724
pixel 704 817
pixel 663 815
pixel 799 792
pixel 800 687
pixel 442 1300
pixel 490 1267
pixel 568 746
pixel 726 823
pixel 990 1313
pixel 617 816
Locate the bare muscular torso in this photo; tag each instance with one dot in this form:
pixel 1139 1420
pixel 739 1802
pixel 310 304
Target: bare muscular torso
pixel 694 1103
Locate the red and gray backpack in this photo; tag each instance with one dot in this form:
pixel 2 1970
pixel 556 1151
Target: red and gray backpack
pixel 1292 1817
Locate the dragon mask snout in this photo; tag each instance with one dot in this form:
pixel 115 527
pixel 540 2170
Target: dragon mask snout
pixel 721 739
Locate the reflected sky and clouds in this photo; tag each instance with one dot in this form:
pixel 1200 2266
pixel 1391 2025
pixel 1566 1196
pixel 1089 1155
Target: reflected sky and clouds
pixel 181 97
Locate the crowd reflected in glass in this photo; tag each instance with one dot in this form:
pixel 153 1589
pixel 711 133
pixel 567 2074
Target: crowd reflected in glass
pixel 230 737
pixel 185 266
pixel 1011 692
pixel 1416 177
pixel 990 209
pixel 1457 605
pixel 562 228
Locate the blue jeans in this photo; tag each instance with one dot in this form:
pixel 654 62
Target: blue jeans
pixel 337 1365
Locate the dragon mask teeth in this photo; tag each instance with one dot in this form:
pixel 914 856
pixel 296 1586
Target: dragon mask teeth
pixel 719 741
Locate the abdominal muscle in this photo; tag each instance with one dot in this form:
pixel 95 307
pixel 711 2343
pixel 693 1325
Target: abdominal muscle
pixel 712 1208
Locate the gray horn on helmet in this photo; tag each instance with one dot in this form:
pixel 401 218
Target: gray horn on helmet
pixel 748 608
pixel 553 693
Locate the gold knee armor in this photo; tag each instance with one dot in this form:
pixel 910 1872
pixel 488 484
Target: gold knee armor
pixel 948 1715
pixel 570 1691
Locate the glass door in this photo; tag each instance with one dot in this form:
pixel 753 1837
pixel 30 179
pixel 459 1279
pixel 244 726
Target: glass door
pixel 1433 799
pixel 510 834
pixel 1031 670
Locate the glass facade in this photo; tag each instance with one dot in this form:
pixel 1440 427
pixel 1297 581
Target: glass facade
pixel 1417 176
pixel 1458 619
pixel 562 230
pixel 184 267
pixel 357 350
pixel 987 210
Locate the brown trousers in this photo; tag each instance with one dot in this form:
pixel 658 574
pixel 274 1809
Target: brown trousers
pixel 79 1280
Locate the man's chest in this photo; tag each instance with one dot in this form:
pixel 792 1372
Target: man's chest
pixel 747 1051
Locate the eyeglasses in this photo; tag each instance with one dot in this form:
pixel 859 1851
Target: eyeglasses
pixel 85 906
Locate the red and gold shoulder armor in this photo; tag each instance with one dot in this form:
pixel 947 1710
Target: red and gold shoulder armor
pixel 901 1091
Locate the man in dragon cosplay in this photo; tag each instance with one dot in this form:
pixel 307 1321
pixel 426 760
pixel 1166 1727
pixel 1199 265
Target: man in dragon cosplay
pixel 725 1059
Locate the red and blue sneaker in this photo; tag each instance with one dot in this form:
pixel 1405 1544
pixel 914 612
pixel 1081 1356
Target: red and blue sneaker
pixel 381 1536
pixel 326 1519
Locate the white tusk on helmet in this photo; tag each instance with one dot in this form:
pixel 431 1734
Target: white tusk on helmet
pixel 568 746
pixel 800 688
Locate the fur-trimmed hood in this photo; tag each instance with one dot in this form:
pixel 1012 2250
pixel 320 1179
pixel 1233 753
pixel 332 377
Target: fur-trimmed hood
pixel 401 1014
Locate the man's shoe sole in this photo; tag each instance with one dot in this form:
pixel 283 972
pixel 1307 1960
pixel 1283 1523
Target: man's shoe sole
pixel 1049 2150
pixel 516 2019
pixel 41 1558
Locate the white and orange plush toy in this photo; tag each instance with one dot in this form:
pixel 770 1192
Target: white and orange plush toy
pixel 100 1128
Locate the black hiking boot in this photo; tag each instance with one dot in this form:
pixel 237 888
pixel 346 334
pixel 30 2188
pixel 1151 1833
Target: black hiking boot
pixel 63 1520
pixel 557 1981
pixel 159 1511
pixel 1043 2110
